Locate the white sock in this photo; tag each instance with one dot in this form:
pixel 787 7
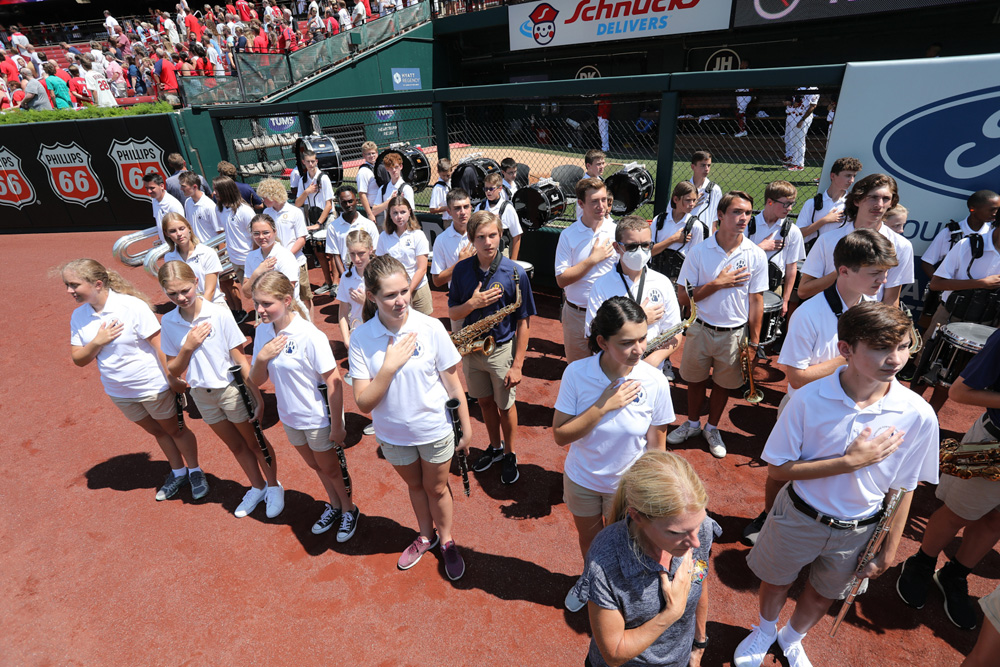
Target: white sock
pixel 694 424
pixel 194 469
pixel 788 636
pixel 180 472
pixel 769 628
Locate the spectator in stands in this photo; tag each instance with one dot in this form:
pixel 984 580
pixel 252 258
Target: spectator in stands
pixel 166 77
pixel 97 84
pixel 78 88
pixel 110 23
pixel 36 96
pixel 185 66
pixel 19 41
pixel 332 23
pixel 345 17
pixel 123 43
pixel 134 77
pixel 247 193
pixel 8 68
pixel 57 88
pixel 260 41
pixel 240 41
pixel 60 72
pixel 148 71
pixel 35 57
pixel 116 77
pixel 69 49
pixel 213 57
pixel 171 30
pixel 98 56
pixel 5 99
pixel 358 15
pixel 244 10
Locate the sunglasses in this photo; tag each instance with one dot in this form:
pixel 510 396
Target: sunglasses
pixel 492 188
pixel 632 247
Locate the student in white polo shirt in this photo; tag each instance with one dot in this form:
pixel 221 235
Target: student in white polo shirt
pixel 315 199
pixel 393 187
pixel 202 341
pixel 817 214
pixel 780 239
pixel 584 253
pixel 632 278
pixel 452 245
pixel 728 273
pixel 845 442
pixel 404 368
pixel 296 356
pixel 439 192
pixel 348 220
pixel 496 204
pixel 866 204
pixel 508 167
pixel 163 201
pixel 199 208
pixel 269 255
pixel 366 181
pixel 290 223
pixel 185 246
pixel 610 410
pixel 115 326
pixel 983 206
pixel 676 231
pixel 360 249
pixel 234 216
pixel 863 259
pixel 709 193
pixel 404 240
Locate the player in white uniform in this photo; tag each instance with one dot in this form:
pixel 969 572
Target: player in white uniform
pixel 315 199
pixel 798 118
pixel 115 326
pixel 290 223
pixel 202 341
pixel 404 240
pixel 234 217
pixel 452 245
pixel 163 201
pixel 584 253
pixel 496 204
pixel 404 368
pixel 779 237
pixel 185 246
pixel 743 99
pixel 817 214
pixel 296 356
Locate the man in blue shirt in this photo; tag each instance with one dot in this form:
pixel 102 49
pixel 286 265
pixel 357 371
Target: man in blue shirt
pixel 480 286
pixel 249 195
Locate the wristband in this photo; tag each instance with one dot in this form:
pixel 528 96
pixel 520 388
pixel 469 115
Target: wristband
pixel 701 645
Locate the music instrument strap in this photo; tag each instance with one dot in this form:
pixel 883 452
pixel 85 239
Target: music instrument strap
pixel 833 300
pixel 642 282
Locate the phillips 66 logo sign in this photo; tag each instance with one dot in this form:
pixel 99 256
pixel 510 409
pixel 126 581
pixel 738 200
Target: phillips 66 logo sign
pixel 70 173
pixel 15 189
pixel 135 159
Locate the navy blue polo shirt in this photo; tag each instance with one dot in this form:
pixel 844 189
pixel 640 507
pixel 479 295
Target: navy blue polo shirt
pixel 983 371
pixel 468 277
pixel 249 195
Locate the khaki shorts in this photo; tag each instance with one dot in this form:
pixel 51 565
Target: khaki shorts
pixel 790 540
pixel 305 289
pixel 218 405
pixel 574 341
pixel 422 301
pixel 318 439
pixel 160 406
pixel 581 501
pixel 239 272
pixel 485 375
pixel 440 451
pixel 456 325
pixel 991 607
pixel 707 350
pixel 974 498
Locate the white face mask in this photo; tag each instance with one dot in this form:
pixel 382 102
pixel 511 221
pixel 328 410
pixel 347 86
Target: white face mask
pixel 635 260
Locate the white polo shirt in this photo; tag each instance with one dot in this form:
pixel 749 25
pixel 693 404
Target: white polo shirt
pixel 412 410
pixel 351 280
pixel 792 251
pixel 956 263
pixel 366 182
pixel 203 216
pixel 291 226
pixel 285 262
pixel 203 261
pixel 298 371
pixel 406 248
pixel 707 207
pixel 210 361
pixel 447 246
pixel 599 459
pixel 325 193
pixel 295 181
pixel 439 198
pixel 128 365
pixel 820 422
pixel 808 214
pixel 237 226
pixel 657 288
pixel 337 231
pixel 728 307
pixel 575 244
pixel 819 261
pixel 168 204
pixel 941 244
pixel 670 228
pixel 509 218
pixel 510 188
pixel 385 193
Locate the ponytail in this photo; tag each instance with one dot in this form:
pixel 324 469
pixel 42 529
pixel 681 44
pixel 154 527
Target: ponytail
pixel 93 272
pixel 277 284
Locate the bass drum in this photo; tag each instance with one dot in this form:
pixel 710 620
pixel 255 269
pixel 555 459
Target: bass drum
pixel 539 203
pixel 469 175
pixel 771 324
pixel 631 188
pixel 416 168
pixel 327 155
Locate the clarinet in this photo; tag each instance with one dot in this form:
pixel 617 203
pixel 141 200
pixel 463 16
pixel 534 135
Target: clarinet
pixel 237 373
pixel 451 405
pixel 336 446
pixel 179 403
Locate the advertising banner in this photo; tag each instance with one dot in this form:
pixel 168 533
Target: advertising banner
pixel 933 124
pixel 563 22
pixel 766 12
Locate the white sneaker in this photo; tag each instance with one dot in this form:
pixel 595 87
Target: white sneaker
pixel 682 433
pixel 715 444
pixel 572 602
pixel 796 655
pixel 250 501
pixel 740 134
pixel 753 649
pixel 275 498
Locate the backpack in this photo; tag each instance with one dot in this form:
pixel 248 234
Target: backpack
pixel 381 173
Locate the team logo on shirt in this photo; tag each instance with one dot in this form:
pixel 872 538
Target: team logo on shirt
pixel 290 347
pixel 640 398
pixel 417 348
pixel 740 264
pixel 15 188
pixel 135 159
pixel 70 173
pixel 655 296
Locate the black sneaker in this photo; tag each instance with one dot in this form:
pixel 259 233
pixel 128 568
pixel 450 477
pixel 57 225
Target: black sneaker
pixel 914 581
pixel 488 458
pixel 957 604
pixel 348 524
pixel 171 485
pixel 199 485
pixel 327 520
pixel 752 530
pixel 509 473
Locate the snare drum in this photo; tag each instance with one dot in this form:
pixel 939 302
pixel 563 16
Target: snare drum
pixel 528 267
pixel 469 175
pixel 416 168
pixel 631 188
pixel 771 324
pixel 317 240
pixel 957 343
pixel 539 203
pixel 327 155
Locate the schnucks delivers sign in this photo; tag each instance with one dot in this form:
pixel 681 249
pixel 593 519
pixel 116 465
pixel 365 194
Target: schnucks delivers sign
pixel 563 22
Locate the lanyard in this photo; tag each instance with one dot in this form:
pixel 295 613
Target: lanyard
pixel 494 265
pixel 642 282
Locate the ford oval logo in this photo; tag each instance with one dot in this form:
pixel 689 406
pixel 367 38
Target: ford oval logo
pixel 951 147
pixel 384 114
pixel 281 123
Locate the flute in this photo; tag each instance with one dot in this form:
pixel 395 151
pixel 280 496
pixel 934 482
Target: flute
pixel 237 373
pixel 451 405
pixel 346 476
pixel 179 403
pixel 874 543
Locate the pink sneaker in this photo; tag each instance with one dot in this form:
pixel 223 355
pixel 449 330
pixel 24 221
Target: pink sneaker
pixel 415 552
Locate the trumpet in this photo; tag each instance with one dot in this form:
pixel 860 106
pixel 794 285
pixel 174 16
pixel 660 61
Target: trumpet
pixel 661 341
pixel 465 339
pixel 752 395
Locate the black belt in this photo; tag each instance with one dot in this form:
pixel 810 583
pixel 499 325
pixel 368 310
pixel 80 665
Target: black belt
pixel 839 524
pixel 715 328
pixel 575 307
pixel 990 426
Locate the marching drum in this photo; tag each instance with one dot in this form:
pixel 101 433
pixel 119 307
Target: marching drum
pixel 470 173
pixel 327 155
pixel 539 203
pixel 957 343
pixel 528 267
pixel 771 323
pixel 631 188
pixel 416 168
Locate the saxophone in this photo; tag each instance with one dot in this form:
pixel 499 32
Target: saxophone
pixel 752 395
pixel 465 339
pixel 665 337
pixel 971 459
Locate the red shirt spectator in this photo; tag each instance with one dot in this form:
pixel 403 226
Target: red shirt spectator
pixel 9 69
pixel 286 39
pixel 63 74
pixel 368 8
pixel 230 9
pixel 332 26
pixel 4 95
pixel 260 42
pixel 168 79
pixel 78 90
pixel 18 95
pixel 244 10
pixel 203 67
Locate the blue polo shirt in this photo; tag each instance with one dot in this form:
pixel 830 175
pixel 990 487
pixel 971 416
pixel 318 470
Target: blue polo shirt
pixel 983 372
pixel 249 195
pixel 468 277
